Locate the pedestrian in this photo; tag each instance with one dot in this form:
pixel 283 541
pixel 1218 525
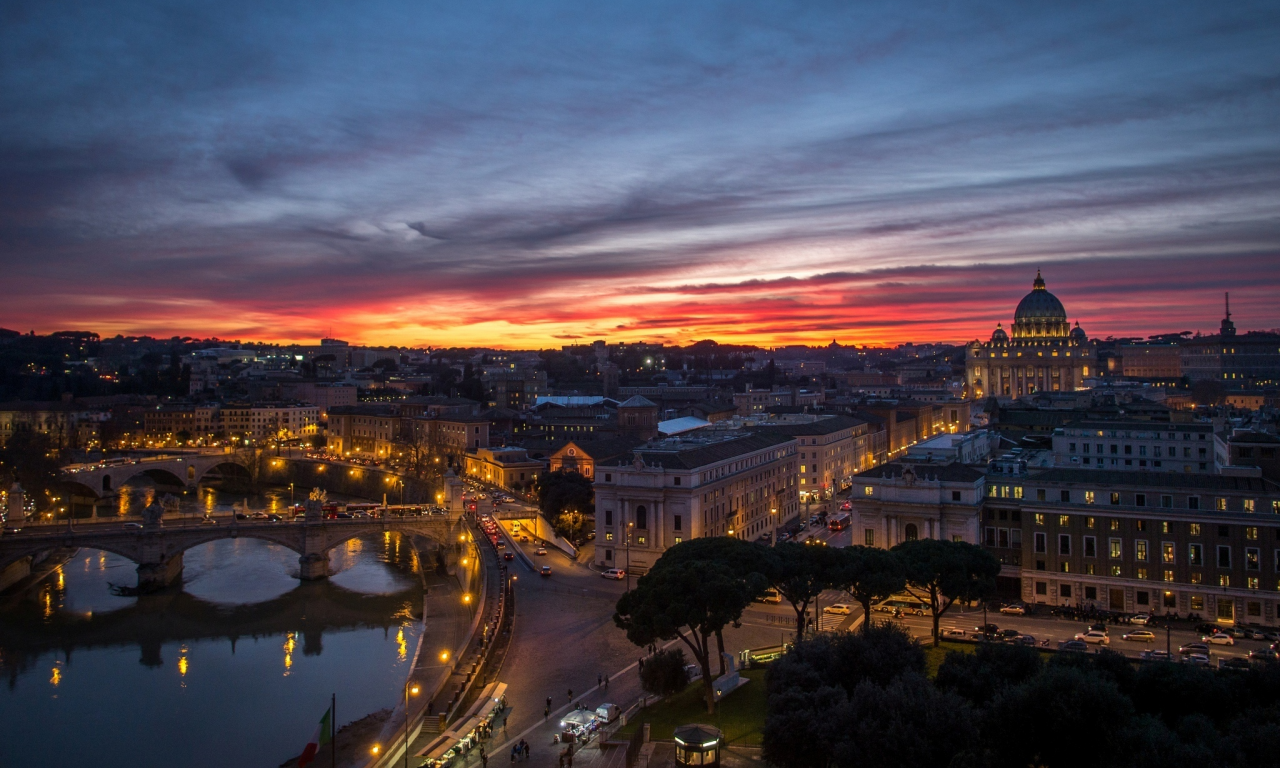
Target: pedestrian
pixel 561 760
pixel 524 748
pixel 641 662
pixel 546 713
pixel 570 694
pixel 484 759
pixel 599 679
pixel 606 682
pixel 431 705
pixel 548 702
pixel 514 754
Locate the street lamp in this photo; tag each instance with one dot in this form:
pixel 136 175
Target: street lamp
pixel 773 515
pixel 408 689
pixel 629 527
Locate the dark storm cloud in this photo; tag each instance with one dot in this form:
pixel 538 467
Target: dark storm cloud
pixel 360 161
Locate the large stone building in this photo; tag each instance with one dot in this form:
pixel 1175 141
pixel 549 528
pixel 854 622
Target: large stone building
pixel 1042 353
pixel 1250 359
pixel 1157 542
pixel 683 488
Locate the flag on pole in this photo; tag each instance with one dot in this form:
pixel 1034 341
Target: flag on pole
pixel 322 736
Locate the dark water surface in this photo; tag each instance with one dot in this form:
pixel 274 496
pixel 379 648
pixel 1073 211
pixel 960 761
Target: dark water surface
pixel 235 668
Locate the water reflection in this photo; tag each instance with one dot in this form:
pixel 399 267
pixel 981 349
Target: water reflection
pixel 243 647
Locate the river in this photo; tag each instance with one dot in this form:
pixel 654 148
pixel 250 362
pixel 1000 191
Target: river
pixel 235 668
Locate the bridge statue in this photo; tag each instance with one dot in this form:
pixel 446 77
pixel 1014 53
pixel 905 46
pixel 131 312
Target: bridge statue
pixel 17 497
pixel 153 515
pixel 314 505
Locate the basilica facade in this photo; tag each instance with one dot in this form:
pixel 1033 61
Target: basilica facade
pixel 1040 353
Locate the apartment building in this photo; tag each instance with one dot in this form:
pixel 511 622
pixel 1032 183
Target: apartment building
pixel 902 501
pixel 263 421
pixel 831 450
pixel 368 431
pixel 704 485
pixel 1135 446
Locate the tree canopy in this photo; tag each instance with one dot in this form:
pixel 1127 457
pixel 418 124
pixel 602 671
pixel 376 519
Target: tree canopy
pixel 942 572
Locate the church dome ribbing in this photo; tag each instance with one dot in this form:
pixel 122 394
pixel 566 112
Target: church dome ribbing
pixel 1040 305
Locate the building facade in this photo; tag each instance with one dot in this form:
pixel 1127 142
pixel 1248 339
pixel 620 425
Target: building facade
pixel 1042 353
pixel 671 490
pixel 1135 446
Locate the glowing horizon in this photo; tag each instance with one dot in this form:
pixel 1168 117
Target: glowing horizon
pixel 531 176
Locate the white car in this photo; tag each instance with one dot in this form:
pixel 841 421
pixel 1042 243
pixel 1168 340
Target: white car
pixel 1016 609
pixel 1219 638
pixel 615 573
pixel 1140 636
pixel 839 609
pixel 1094 636
pixel 1141 619
pixel 540 551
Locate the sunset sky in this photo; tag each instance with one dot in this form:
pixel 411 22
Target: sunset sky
pixel 527 174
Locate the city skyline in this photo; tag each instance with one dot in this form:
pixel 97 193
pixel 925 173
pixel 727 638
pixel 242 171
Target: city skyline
pixel 537 176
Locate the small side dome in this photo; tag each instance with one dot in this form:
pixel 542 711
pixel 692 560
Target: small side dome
pixel 1078 335
pixel 999 336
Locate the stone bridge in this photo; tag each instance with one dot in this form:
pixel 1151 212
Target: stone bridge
pixel 182 471
pixel 158 549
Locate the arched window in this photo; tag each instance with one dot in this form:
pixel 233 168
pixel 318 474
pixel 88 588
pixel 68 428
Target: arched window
pixel 642 517
pixel 911 532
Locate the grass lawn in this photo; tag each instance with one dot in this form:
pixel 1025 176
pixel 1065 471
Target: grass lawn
pixel 933 657
pixel 741 715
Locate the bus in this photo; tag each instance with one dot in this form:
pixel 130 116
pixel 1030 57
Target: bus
pixel 905 603
pixel 838 522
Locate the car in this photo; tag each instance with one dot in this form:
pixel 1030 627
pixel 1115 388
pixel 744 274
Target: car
pixel 524 538
pixel 501 544
pixel 846 507
pixel 1155 656
pixel 1207 628
pixel 615 573
pixel 540 551
pixel 1014 609
pixel 1007 635
pixel 838 609
pixel 1095 637
pixel 1024 640
pixel 1141 619
pixel 12 529
pixel 545 570
pixel 1073 645
pixel 1190 648
pixel 986 629
pixel 1098 628
pixel 133 526
pixel 813 520
pixel 1234 665
pixel 508 556
pixel 1263 654
pixel 1197 659
pixel 208 521
pixel 1139 636
pixel 1271 636
pixel 1221 638
pixel 274 518
pixel 953 632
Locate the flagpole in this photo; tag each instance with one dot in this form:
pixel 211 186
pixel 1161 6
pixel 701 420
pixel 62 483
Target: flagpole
pixel 333 729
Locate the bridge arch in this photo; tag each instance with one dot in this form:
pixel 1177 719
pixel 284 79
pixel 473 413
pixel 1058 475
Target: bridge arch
pixel 225 469
pixel 158 475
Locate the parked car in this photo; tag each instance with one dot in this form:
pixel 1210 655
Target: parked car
pixel 545 570
pixel 1073 645
pixel 986 629
pixel 1263 654
pixel 1234 665
pixel 1140 636
pixel 1141 619
pixel 1221 638
pixel 1095 637
pixel 1014 609
pixel 1207 628
pixel 1024 640
pixel 1155 656
pixel 615 573
pixel 1008 635
pixel 1197 659
pixel 953 632
pixel 838 609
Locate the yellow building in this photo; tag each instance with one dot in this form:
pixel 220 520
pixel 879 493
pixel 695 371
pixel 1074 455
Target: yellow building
pixel 1042 354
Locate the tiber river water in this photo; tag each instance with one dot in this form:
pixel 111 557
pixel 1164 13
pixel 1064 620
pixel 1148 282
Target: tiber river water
pixel 235 668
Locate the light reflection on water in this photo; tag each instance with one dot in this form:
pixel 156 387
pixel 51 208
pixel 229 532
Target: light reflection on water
pixel 191 692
